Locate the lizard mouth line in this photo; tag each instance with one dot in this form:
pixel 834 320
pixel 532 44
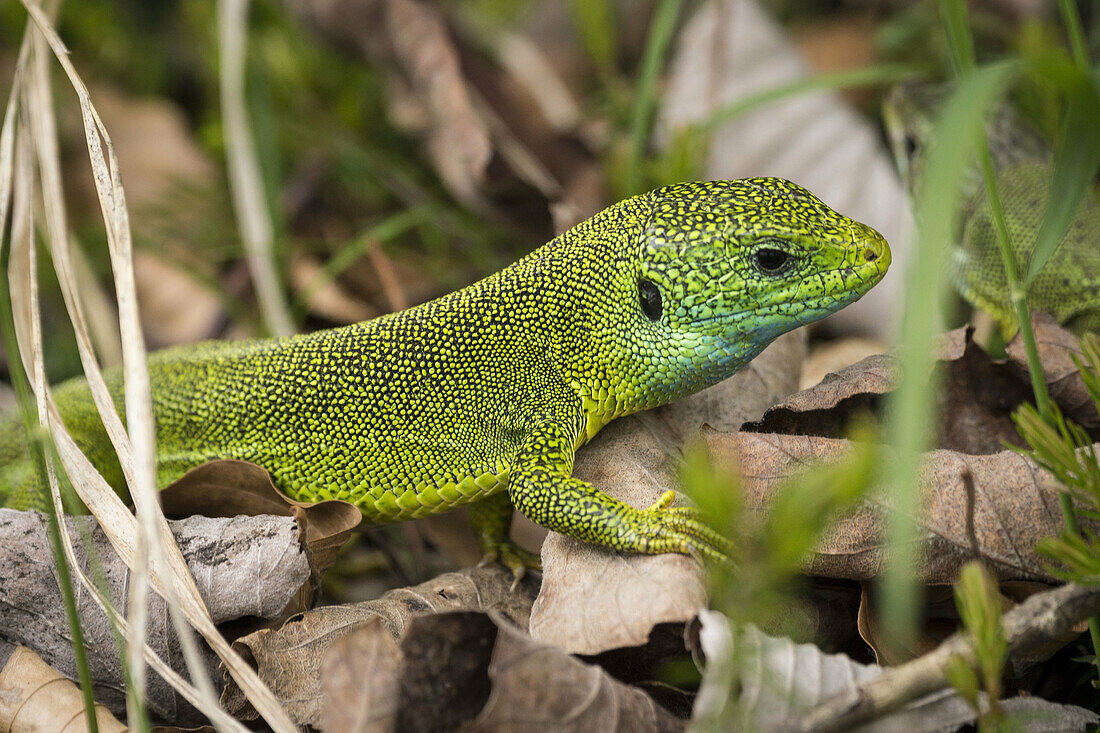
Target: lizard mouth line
pixel 868 276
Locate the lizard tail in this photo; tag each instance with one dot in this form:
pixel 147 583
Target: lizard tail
pixel 19 486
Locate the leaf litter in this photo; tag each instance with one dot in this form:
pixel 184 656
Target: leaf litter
pixel 246 569
pixel 592 603
pixel 478 672
pixel 289 658
pixel 768 683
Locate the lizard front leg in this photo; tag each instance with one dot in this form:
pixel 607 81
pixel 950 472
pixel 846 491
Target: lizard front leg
pixel 542 487
pixel 491 518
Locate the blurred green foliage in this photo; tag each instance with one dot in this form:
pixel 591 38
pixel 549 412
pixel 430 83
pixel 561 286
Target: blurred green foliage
pixel 771 545
pixel 980 610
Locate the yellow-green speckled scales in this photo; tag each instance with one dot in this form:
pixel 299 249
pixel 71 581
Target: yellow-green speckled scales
pixel 495 386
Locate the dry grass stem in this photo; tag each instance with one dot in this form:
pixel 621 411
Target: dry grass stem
pixel 148 536
pixel 245 181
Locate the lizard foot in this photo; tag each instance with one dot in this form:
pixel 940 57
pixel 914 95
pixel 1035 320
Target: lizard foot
pixel 512 556
pixel 662 528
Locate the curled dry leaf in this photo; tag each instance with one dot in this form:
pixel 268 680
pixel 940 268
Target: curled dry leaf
pixel 757 682
pixel 411 39
pixel 831 356
pixel 594 599
pixel 826 407
pixel 227 488
pixel 475 672
pixel 975 404
pixel 1057 347
pixel 244 567
pixel 940 619
pixel 36 697
pixel 1016 504
pixel 289 658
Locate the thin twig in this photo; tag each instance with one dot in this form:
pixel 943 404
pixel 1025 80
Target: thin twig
pixel 1040 619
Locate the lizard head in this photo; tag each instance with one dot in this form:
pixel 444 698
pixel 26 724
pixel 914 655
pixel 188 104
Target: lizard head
pixel 714 271
pixel 909 112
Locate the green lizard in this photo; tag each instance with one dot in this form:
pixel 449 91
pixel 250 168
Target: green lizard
pixel 1068 287
pixel 485 394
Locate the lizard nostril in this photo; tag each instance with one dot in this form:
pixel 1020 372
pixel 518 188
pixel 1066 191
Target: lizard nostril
pixel 870 255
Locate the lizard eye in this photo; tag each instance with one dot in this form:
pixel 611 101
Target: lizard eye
pixel 772 261
pixel 910 147
pixel 650 299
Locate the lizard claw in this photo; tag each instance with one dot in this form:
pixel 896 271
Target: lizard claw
pixel 662 528
pixel 513 557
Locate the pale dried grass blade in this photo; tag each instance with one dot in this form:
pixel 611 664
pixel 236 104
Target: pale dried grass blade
pixel 245 182
pixel 26 308
pixel 170 574
pixel 25 297
pixel 44 132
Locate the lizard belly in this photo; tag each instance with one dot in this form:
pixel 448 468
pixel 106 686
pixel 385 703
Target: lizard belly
pixel 380 504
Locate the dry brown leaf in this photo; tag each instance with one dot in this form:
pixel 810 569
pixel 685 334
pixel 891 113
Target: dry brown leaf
pixel 594 599
pixel 411 38
pixel 832 356
pixel 161 163
pixel 940 619
pixel 975 403
pixel 227 488
pixel 175 308
pixel 851 390
pixel 476 672
pixel 245 567
pixel 289 658
pixel 1057 347
pixel 1016 504
pixel 36 697
pixel 359 677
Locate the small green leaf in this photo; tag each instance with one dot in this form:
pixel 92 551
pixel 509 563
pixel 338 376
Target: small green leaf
pixel 960 676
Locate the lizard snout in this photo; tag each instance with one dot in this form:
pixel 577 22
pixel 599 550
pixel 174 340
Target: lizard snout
pixel 872 249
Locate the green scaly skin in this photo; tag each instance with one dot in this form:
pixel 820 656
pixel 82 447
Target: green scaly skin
pixel 487 393
pixel 1068 287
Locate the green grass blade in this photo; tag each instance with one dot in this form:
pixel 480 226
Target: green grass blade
pixel 956 138
pixel 38 442
pixel 958 35
pixel 645 101
pixel 384 231
pixel 595 22
pixel 849 79
pixel 1072 18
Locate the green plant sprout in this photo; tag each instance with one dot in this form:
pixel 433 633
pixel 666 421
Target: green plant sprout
pixel 1065 450
pixel 769 551
pixel 980 609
